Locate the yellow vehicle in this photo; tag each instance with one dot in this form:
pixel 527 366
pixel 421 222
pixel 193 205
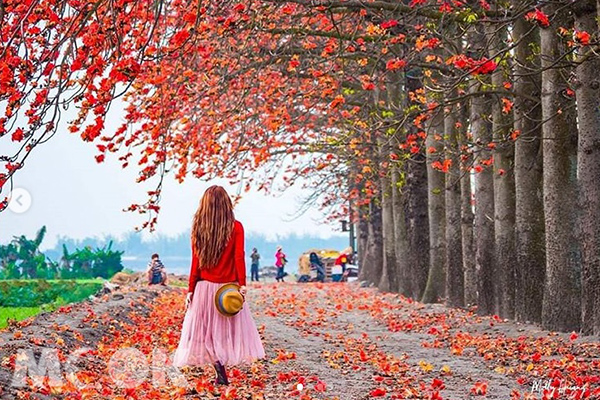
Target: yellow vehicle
pixel 327 257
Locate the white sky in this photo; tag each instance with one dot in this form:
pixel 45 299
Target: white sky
pixel 74 196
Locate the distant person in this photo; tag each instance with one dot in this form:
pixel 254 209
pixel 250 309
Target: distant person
pixel 255 257
pixel 280 261
pixel 218 327
pixel 317 265
pixel 156 271
pixel 344 258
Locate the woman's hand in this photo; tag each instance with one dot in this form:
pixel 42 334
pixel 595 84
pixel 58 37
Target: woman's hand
pixel 243 291
pixel 188 300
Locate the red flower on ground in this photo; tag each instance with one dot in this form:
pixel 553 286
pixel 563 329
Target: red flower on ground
pixel 479 389
pixel 379 392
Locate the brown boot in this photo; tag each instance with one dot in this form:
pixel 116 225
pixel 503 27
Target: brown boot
pixel 221 374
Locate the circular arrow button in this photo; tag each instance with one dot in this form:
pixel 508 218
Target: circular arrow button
pixel 19 201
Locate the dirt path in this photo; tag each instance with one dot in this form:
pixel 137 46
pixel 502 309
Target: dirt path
pixel 331 341
pixel 360 326
pixel 65 330
pixel 414 346
pixel 408 346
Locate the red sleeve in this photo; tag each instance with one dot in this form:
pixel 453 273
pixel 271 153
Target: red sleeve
pixel 239 261
pixel 194 273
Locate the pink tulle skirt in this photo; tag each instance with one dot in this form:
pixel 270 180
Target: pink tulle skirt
pixel 208 337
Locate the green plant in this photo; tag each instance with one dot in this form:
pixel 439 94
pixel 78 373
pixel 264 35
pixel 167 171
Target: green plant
pixel 16 313
pixel 32 293
pixel 22 259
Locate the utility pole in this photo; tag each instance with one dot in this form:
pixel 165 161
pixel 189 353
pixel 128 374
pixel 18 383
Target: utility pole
pixel 352 233
pixel 348 226
pixel 352 238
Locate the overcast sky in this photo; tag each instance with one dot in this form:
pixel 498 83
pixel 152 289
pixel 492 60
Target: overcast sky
pixel 74 196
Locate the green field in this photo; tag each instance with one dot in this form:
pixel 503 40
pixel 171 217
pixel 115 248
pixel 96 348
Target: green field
pixel 17 313
pixel 178 283
pixel 23 298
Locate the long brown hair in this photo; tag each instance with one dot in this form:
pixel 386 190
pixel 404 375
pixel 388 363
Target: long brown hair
pixel 212 226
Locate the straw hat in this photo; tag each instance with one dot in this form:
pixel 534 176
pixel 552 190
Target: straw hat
pixel 228 299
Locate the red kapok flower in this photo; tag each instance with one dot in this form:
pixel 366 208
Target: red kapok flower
pixel 582 37
pixel 539 17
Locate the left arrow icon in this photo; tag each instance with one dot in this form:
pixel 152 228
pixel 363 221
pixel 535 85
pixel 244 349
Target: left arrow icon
pixel 19 201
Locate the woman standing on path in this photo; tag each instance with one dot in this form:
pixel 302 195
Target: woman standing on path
pixel 218 328
pixel 280 262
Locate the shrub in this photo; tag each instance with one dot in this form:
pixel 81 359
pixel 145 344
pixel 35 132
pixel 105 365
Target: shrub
pixel 33 293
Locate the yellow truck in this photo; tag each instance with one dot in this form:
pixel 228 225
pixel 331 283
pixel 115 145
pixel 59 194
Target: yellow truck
pixel 327 257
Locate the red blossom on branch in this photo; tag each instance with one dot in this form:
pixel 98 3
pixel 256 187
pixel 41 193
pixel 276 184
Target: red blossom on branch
pixel 539 17
pixel 476 67
pixel 445 7
pixel 395 64
pixel 18 135
pixel 389 24
pixel 582 37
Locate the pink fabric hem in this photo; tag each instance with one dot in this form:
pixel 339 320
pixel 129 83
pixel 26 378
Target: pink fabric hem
pixel 208 337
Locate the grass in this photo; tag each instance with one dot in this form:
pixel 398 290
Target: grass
pixel 17 313
pixel 178 283
pixel 24 298
pixel 94 280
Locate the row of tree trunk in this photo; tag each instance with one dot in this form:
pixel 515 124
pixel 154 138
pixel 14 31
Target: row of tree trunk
pixel 513 223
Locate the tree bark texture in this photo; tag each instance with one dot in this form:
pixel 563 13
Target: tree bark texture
pixel 454 290
pixel 436 211
pixel 529 211
pixel 587 90
pixel 562 302
pixel 504 191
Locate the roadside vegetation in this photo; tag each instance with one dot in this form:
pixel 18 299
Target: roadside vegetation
pixel 31 283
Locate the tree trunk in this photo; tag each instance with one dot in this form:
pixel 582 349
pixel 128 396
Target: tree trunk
pixel 362 237
pixel 396 100
pixel 529 214
pixel 435 190
pixel 504 191
pixel 373 259
pixel 454 258
pixel 561 305
pixel 417 228
pixel 484 201
pixel 417 225
pixel 416 209
pixel 588 163
pixel 401 250
pixel 388 281
pixel 466 215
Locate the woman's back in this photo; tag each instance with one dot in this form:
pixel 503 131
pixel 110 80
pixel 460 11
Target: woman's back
pixel 215 308
pixel 231 266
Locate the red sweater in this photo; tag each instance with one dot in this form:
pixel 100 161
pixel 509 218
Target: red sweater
pixel 230 268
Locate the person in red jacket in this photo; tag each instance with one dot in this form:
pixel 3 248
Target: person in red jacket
pixel 208 335
pixel 344 258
